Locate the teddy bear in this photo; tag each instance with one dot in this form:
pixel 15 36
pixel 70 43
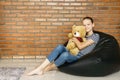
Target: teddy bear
pixel 78 32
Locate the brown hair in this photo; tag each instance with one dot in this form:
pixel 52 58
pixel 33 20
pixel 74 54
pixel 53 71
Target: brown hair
pixel 91 19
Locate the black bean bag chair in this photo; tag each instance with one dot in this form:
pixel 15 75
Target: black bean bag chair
pixel 102 61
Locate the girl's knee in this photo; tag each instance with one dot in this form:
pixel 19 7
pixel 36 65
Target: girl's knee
pixel 65 55
pixel 60 46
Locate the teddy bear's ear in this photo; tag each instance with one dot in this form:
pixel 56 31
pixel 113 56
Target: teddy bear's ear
pixel 70 35
pixel 74 26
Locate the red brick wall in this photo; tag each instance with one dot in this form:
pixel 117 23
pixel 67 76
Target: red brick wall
pixel 35 27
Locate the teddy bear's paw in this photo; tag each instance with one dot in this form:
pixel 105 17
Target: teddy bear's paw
pixel 68 48
pixel 74 51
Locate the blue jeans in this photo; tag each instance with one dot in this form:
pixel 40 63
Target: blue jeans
pixel 60 55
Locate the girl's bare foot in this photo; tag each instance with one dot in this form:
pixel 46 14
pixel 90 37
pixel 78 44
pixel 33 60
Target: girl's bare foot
pixel 35 72
pixel 40 69
pixel 50 67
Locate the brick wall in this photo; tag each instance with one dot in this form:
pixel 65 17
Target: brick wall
pixel 32 28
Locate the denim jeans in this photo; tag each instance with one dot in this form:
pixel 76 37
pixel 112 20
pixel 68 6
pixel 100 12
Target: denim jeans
pixel 60 55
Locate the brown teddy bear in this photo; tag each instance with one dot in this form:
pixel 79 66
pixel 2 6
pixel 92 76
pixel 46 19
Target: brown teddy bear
pixel 78 32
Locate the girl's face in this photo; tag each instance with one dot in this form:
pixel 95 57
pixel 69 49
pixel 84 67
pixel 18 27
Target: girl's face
pixel 88 25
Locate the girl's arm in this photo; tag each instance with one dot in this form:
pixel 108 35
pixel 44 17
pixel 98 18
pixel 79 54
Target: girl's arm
pixel 82 45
